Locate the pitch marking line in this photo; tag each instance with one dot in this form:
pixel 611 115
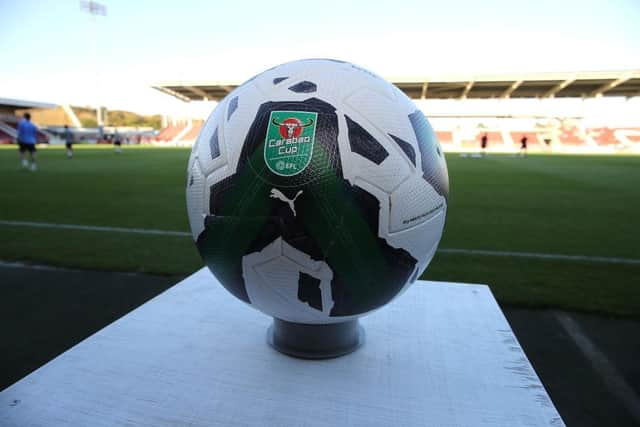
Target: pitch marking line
pixel 43 267
pixel 96 228
pixel 563 257
pixel 607 371
pixel 151 231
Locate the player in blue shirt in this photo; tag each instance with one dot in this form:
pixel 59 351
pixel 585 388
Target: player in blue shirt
pixel 27 138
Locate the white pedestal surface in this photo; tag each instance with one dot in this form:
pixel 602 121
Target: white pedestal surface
pixel 441 354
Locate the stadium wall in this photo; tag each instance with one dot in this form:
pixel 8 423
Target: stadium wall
pixel 463 134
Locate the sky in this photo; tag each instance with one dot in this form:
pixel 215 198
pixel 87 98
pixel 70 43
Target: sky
pixel 47 46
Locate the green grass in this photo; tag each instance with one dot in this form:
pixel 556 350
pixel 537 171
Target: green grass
pixel 576 205
pixel 43 313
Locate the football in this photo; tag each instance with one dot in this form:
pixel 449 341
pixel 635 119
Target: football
pixel 317 192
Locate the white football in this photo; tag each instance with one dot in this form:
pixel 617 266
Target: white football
pixel 317 191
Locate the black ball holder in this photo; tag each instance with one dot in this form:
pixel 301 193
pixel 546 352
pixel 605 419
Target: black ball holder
pixel 306 341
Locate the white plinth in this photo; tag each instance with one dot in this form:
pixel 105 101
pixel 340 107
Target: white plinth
pixel 442 354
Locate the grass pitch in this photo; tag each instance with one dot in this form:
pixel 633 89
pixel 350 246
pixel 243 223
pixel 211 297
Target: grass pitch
pixel 574 205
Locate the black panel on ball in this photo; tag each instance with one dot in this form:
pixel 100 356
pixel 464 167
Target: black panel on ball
pixel 434 167
pixel 304 87
pixel 214 145
pixel 406 147
pixel 309 291
pixel 362 143
pixel 233 106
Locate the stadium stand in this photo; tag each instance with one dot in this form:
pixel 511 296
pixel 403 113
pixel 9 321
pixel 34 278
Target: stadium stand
pixel 602 136
pixel 493 137
pixel 12 123
pixel 57 116
pixel 469 144
pixel 578 84
pixel 170 132
pixel 43 138
pixel 570 135
pixel 628 137
pixel 567 137
pixel 445 137
pixel 505 128
pixel 193 133
pixel 5 138
pixel 635 136
pixel 532 137
pixel 9 117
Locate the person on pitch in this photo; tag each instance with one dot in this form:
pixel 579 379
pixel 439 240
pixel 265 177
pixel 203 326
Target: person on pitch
pixel 483 144
pixel 27 138
pixel 523 146
pixel 117 141
pixel 68 141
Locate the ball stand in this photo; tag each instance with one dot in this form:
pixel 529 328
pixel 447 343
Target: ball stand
pixel 306 341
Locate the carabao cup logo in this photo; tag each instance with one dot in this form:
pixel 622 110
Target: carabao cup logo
pixel 288 146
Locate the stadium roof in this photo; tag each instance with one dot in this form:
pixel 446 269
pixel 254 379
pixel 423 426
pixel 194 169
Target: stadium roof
pixel 17 104
pixel 529 85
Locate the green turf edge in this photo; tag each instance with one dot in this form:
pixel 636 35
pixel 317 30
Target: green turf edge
pixel 165 255
pixel 569 285
pixel 542 283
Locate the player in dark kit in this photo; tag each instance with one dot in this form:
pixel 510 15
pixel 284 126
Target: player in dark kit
pixel 68 141
pixel 117 141
pixel 27 138
pixel 523 146
pixel 483 144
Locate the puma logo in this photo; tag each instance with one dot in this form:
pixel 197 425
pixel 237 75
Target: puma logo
pixel 277 194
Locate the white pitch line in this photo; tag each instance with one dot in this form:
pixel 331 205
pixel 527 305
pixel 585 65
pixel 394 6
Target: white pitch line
pixel 44 267
pixel 602 365
pixel 151 231
pixel 95 228
pixel 23 265
pixel 562 257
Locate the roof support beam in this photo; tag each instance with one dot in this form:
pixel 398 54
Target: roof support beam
pixel 557 88
pixel 507 93
pixel 537 85
pixel 425 85
pixel 467 88
pixel 602 89
pixel 172 93
pixel 198 92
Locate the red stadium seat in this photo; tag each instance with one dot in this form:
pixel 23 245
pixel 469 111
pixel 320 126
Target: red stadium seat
pixel 532 137
pixel 5 138
pixel 603 136
pixel 570 136
pixel 493 138
pixel 192 135
pixel 170 132
pixel 444 137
